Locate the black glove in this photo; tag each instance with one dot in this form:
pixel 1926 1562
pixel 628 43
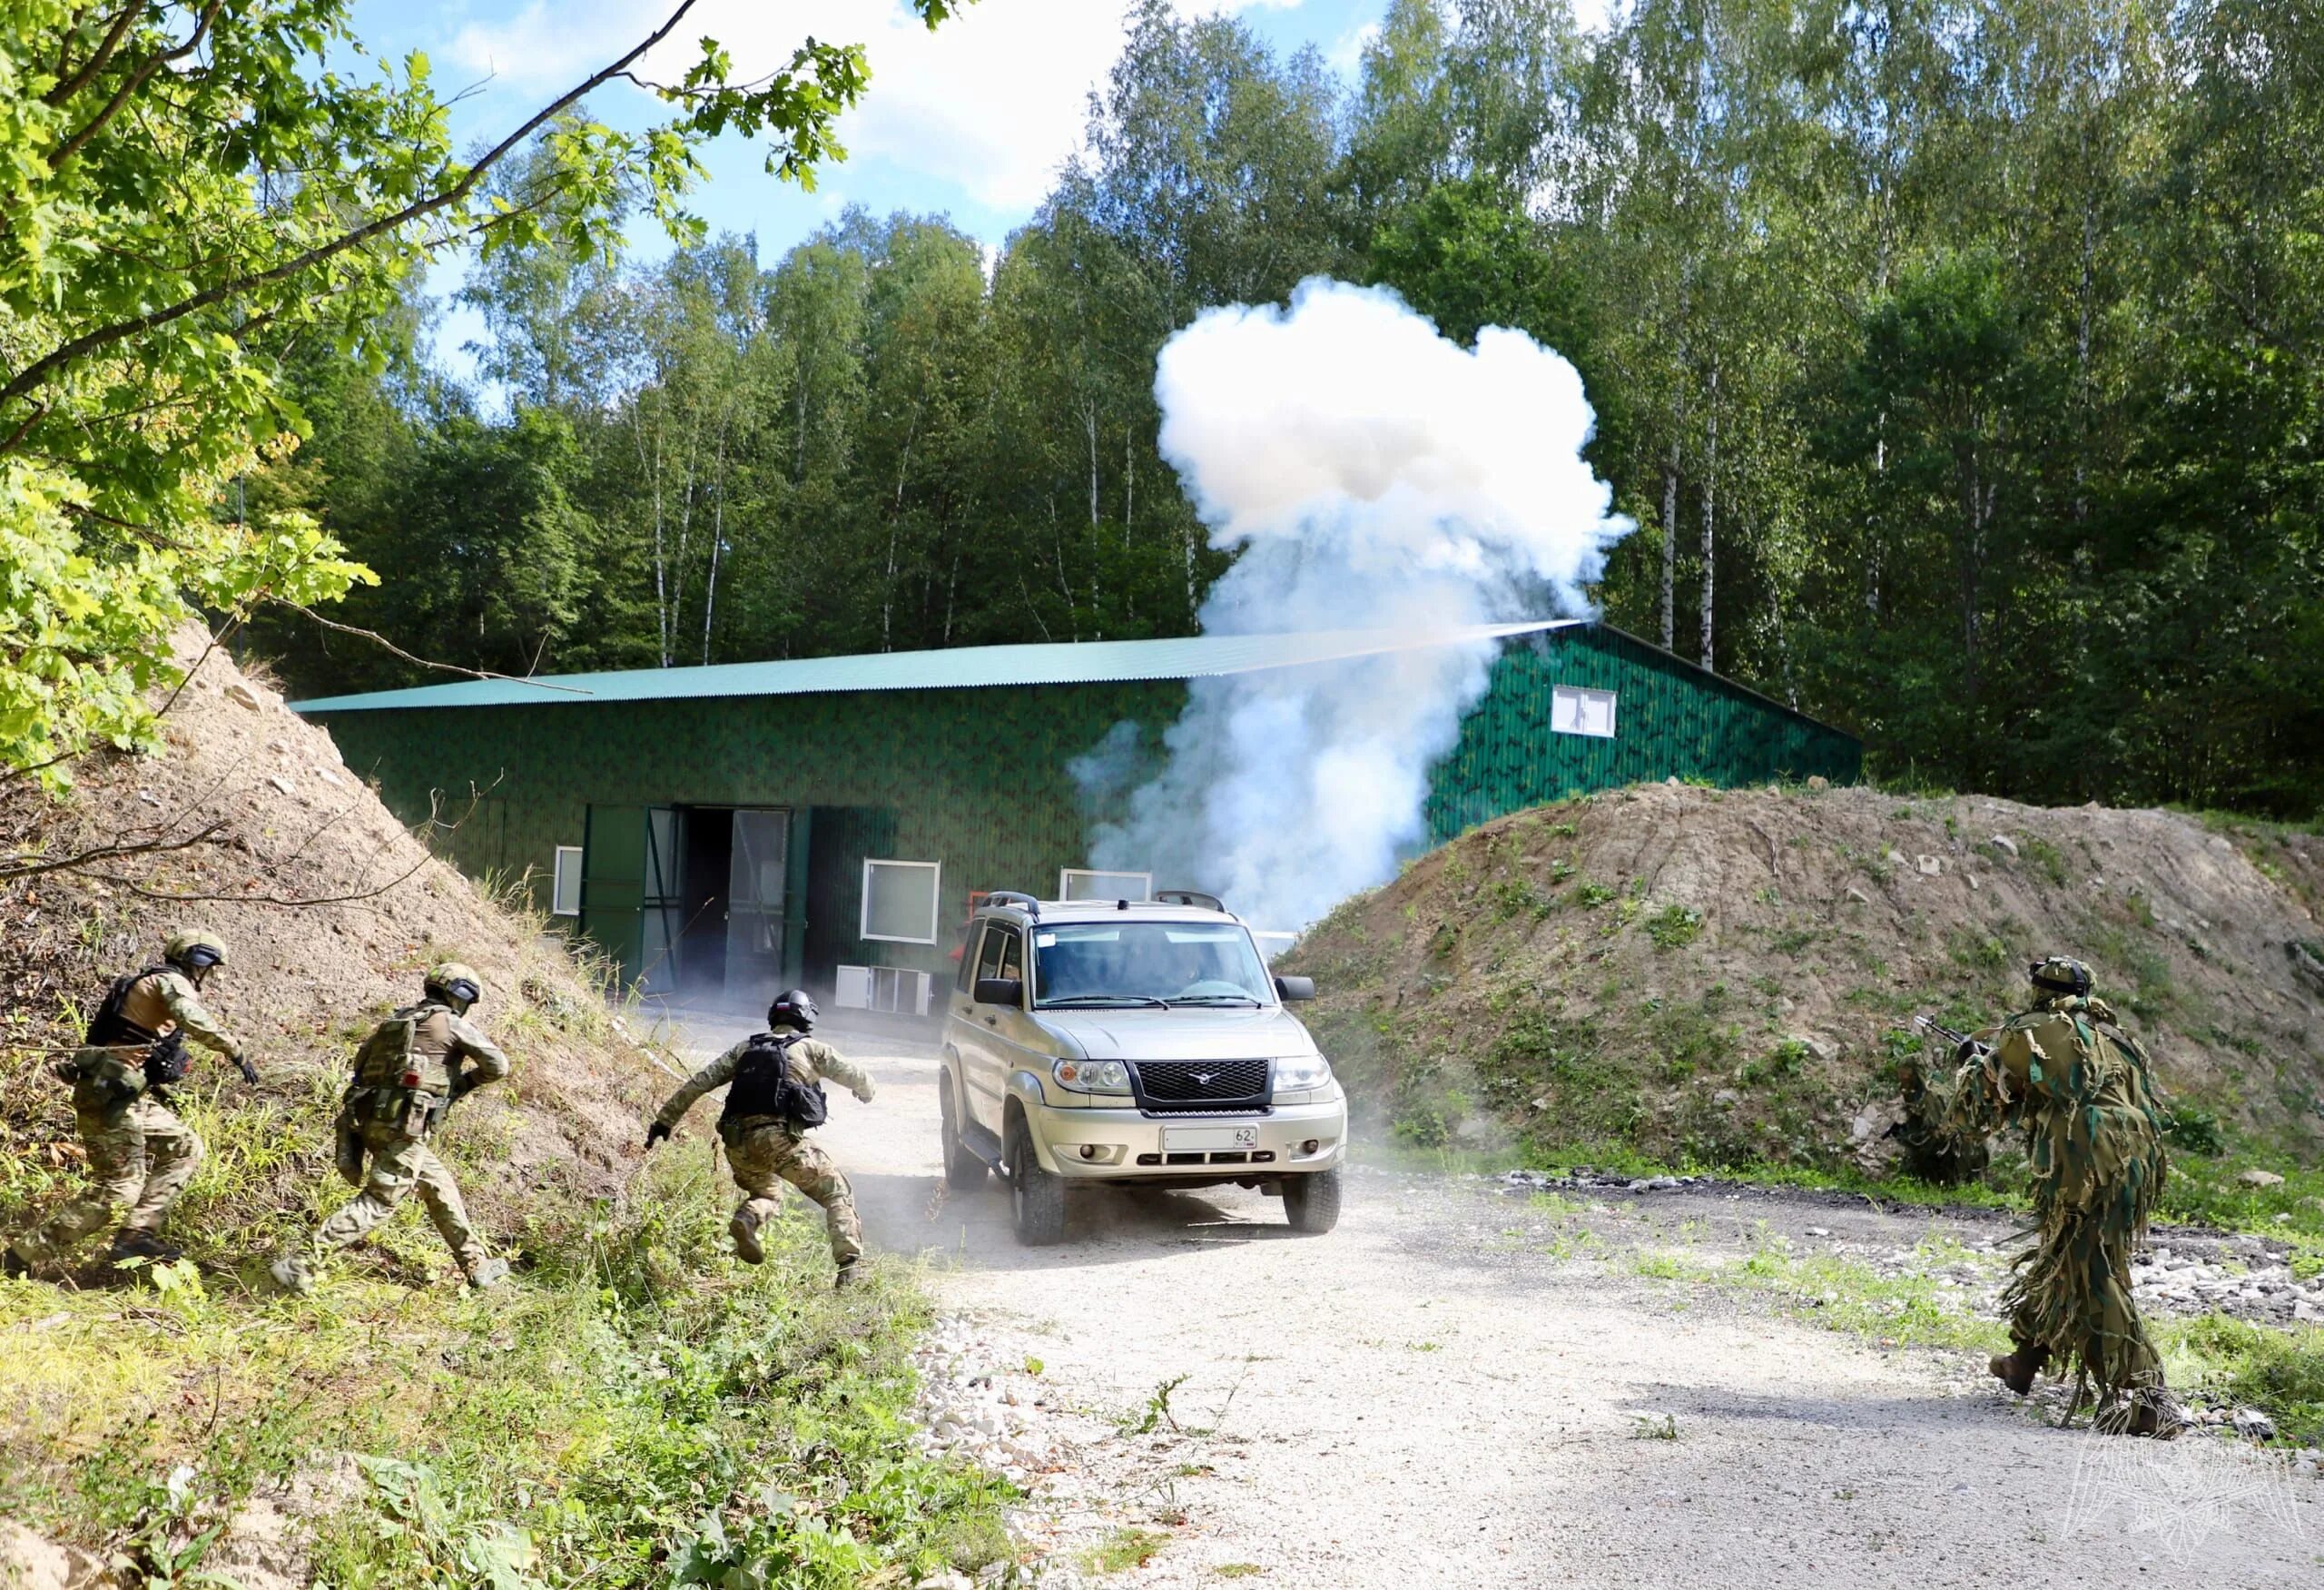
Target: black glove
pixel 250 1072
pixel 656 1133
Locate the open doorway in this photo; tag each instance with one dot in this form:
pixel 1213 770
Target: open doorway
pixel 733 863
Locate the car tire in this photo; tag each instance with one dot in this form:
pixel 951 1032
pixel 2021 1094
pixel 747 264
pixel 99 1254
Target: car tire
pixel 1312 1202
pixel 1036 1195
pixel 961 1167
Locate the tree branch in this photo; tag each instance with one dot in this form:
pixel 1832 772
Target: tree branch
pixel 130 85
pixel 35 373
pixel 96 63
pixel 381 640
pixel 16 866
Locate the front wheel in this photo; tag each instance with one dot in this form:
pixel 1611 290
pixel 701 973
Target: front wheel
pixel 961 1168
pixel 1312 1202
pixel 1036 1196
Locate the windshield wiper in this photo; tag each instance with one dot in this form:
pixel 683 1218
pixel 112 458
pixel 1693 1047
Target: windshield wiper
pixel 1102 999
pixel 1211 999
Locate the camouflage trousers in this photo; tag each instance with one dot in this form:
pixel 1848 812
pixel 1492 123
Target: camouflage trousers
pixel 141 1157
pixel 2072 1296
pixel 399 1166
pixel 766 1157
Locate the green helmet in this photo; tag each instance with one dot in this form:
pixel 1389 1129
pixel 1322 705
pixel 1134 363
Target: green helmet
pixel 2061 974
pixel 454 981
pixel 194 949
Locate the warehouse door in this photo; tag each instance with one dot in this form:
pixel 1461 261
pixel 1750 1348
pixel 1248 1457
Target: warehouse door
pixel 754 945
pixel 629 890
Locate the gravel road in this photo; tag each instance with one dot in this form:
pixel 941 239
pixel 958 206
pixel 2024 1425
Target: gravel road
pixel 1443 1392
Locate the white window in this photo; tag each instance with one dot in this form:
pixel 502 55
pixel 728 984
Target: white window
pixel 1079 884
pixel 884 988
pixel 565 888
pixel 899 901
pixel 1576 711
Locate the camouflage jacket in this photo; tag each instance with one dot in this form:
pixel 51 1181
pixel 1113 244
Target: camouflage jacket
pixel 811 1060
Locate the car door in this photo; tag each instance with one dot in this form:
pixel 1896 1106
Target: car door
pixel 1014 1042
pixel 983 1076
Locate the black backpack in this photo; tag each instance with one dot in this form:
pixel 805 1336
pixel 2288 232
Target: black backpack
pixel 763 1085
pixel 165 1060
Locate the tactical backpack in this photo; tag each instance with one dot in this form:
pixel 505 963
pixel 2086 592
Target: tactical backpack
pixel 388 1085
pixel 111 1029
pixel 763 1085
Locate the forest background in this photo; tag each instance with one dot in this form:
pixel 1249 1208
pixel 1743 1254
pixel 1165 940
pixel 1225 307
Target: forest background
pixel 1959 361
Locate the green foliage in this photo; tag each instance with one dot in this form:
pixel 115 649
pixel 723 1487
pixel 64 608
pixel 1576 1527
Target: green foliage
pixel 2194 1129
pixel 1674 927
pixel 2281 1373
pixel 1123 1548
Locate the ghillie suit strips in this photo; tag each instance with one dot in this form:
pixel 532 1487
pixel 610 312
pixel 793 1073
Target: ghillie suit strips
pixel 2081 1087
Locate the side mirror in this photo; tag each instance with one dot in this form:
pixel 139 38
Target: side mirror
pixel 1000 991
pixel 1294 988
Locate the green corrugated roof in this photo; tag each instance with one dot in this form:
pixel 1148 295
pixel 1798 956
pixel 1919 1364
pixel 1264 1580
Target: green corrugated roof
pixel 1093 662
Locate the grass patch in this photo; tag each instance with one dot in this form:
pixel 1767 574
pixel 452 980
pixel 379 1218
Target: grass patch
pixel 1674 927
pixel 2231 1361
pixel 635 1403
pixel 1238 1570
pixel 1124 1549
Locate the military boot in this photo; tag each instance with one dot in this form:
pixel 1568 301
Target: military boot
pixel 744 1228
pixel 290 1273
pixel 2017 1370
pixel 13 1264
pixel 845 1277
pixel 2149 1411
pixel 488 1274
pixel 143 1244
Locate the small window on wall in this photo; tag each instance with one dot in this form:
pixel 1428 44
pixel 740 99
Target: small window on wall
pixel 1576 711
pixel 899 901
pixel 1078 884
pixel 565 888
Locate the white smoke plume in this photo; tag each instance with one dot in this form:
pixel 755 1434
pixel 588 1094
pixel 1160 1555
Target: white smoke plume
pixel 1375 477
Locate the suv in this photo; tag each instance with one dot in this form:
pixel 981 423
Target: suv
pixel 1141 1044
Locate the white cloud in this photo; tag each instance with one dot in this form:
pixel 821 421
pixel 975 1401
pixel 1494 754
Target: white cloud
pixel 994 101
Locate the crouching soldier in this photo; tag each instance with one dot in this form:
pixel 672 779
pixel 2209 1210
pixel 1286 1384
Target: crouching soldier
pixel 141 1155
pixel 414 1067
pixel 774 1097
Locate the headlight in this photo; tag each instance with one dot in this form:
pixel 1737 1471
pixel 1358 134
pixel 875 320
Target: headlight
pixel 1092 1076
pixel 1300 1073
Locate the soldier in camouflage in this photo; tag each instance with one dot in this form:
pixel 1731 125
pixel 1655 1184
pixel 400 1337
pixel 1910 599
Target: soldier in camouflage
pixel 2081 1088
pixel 766 1138
pixel 417 1063
pixel 141 1154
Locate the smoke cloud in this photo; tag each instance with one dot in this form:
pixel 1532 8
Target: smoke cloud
pixel 1375 477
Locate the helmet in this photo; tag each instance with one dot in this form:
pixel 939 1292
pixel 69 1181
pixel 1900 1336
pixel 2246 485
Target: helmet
pixel 793 1010
pixel 2061 974
pixel 455 983
pixel 195 950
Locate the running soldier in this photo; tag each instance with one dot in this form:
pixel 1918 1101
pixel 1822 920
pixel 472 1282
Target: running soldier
pixel 415 1066
pixel 141 1155
pixel 776 1099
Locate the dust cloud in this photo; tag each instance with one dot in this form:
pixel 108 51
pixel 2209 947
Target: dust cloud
pixel 1371 476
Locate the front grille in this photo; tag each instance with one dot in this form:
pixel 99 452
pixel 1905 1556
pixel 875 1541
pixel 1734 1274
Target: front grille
pixel 1221 1157
pixel 1166 1083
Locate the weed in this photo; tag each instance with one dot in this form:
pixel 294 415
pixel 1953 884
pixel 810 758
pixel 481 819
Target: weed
pixel 1591 895
pixel 2043 857
pixel 1156 1413
pixel 1124 1549
pixel 1034 1365
pixel 1425 1347
pixel 1651 1426
pixel 1238 1570
pixel 2194 1129
pixel 1674 926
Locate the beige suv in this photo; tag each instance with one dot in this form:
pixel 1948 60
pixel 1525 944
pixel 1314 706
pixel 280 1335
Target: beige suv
pixel 1134 1042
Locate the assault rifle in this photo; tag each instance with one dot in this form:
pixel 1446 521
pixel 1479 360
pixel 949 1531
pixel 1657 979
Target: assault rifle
pixel 1957 1039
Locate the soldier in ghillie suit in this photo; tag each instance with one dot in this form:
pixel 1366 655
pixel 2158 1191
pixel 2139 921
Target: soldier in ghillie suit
pixel 141 1155
pixel 414 1067
pixel 2079 1086
pixel 774 1097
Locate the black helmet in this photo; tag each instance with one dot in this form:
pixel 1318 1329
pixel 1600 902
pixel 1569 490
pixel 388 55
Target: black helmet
pixel 2061 974
pixel 793 1010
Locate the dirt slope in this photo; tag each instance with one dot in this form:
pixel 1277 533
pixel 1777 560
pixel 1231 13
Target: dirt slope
pixel 1730 974
pixel 330 908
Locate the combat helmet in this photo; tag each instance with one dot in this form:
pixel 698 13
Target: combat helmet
pixel 793 1010
pixel 455 983
pixel 2061 976
pixel 194 951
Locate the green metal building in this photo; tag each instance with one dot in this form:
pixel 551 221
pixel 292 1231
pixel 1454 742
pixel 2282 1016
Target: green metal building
pixel 828 821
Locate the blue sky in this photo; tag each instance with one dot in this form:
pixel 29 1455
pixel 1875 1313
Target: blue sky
pixel 968 121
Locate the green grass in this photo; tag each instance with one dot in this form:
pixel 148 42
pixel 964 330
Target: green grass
pixel 636 1402
pixel 1122 1550
pixel 1238 1570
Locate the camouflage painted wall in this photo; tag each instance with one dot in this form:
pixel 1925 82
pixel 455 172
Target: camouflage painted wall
pixel 978 780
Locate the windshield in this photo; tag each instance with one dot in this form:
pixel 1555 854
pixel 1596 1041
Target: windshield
pixel 1094 965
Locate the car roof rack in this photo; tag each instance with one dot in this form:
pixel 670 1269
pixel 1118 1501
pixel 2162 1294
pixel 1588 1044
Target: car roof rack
pixel 1032 907
pixel 1190 897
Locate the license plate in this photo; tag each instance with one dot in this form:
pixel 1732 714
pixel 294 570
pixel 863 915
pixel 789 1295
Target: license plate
pixel 1187 1139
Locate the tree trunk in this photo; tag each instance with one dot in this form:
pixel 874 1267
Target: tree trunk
pixel 1710 512
pixel 1671 542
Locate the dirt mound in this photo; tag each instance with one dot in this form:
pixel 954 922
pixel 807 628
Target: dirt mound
pixel 1730 975
pixel 251 822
